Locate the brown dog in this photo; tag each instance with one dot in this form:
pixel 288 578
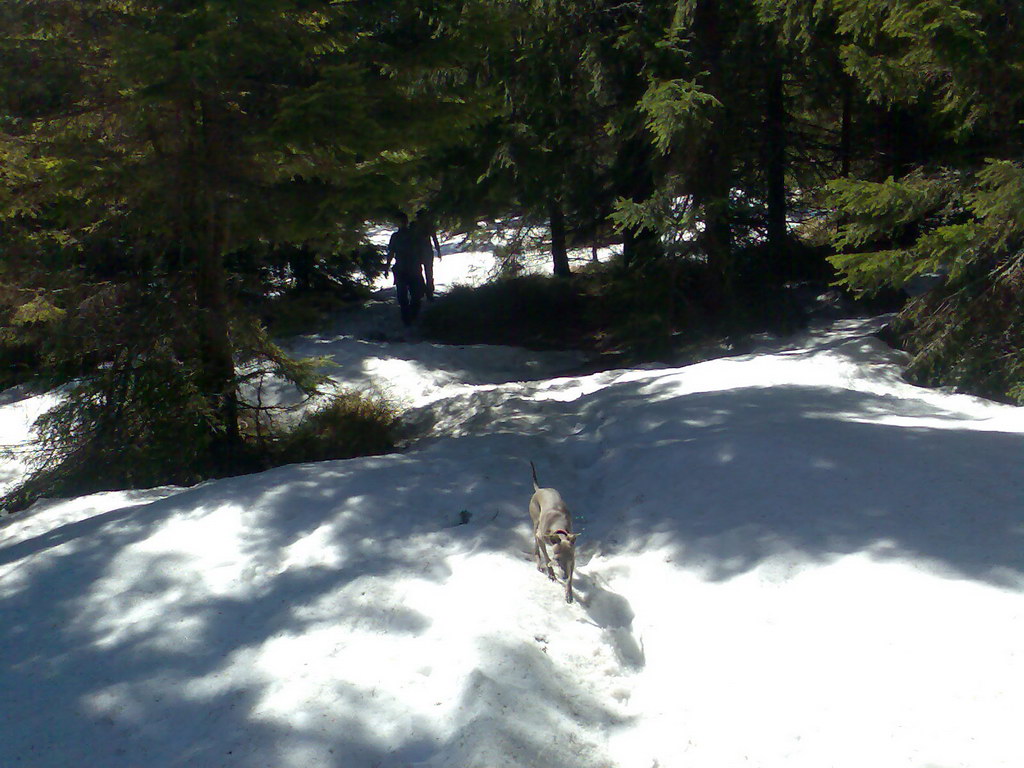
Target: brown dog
pixel 552 527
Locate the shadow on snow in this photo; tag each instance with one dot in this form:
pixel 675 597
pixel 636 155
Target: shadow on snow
pixel 122 653
pixel 733 477
pixel 728 479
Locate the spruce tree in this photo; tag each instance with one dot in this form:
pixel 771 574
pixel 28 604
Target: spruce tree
pixel 951 210
pixel 158 140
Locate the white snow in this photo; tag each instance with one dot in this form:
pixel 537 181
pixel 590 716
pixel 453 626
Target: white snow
pixel 18 410
pixel 787 558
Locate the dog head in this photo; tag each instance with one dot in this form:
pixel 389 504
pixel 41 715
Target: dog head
pixel 562 550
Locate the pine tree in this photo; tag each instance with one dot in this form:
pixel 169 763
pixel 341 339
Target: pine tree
pixel 157 140
pixel 952 208
pixel 548 154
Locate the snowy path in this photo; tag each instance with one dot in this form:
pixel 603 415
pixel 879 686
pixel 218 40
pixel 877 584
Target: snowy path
pixel 788 558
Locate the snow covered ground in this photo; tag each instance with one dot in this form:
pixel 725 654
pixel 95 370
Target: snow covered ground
pixel 787 558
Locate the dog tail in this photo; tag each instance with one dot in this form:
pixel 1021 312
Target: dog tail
pixel 536 486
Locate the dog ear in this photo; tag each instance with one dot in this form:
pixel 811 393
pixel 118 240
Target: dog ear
pixel 572 537
pixel 553 538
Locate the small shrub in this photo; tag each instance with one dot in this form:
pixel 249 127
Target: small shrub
pixel 295 313
pixel 533 311
pixel 349 424
pixel 969 337
pixel 126 426
pixel 635 314
pixel 149 445
pixel 509 262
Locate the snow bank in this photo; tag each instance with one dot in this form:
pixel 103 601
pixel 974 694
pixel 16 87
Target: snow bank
pixel 788 558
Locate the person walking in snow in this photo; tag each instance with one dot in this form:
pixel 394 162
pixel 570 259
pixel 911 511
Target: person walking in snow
pixel 428 245
pixel 404 250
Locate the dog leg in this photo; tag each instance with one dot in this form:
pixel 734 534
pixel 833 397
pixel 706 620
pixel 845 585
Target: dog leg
pixel 544 560
pixel 568 581
pixel 536 553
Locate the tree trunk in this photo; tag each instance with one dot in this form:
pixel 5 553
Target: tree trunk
pixel 559 254
pixel 846 129
pixel 903 139
pixel 775 166
pixel 636 168
pixel 303 262
pixel 216 352
pixel 639 246
pixel 715 169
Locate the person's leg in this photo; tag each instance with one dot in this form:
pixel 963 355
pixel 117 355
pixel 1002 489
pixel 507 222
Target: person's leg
pixel 403 288
pixel 416 290
pixel 428 272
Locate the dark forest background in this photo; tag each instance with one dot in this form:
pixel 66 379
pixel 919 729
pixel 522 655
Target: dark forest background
pixel 177 176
